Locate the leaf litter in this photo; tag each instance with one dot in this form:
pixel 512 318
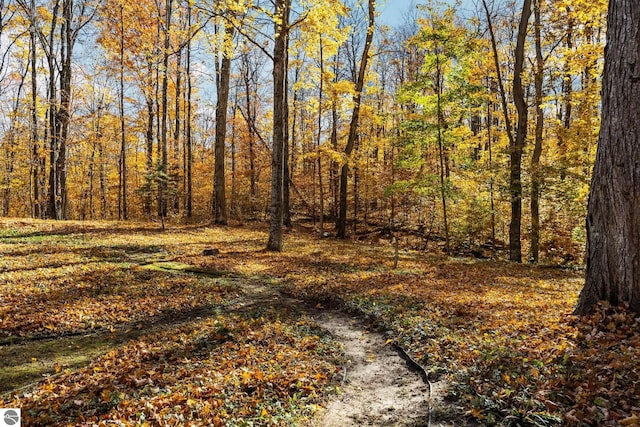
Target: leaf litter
pixel 497 339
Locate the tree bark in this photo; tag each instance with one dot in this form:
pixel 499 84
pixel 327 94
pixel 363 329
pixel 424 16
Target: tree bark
pixel 220 201
pixel 36 162
pixel 122 190
pixel 281 24
pixel 163 185
pixel 61 119
pixel 286 199
pixel 613 223
pixel 149 98
pixel 341 223
pixel 188 137
pixel 51 132
pixel 176 129
pixel 536 174
pixel 319 138
pixel 441 151
pixel 515 166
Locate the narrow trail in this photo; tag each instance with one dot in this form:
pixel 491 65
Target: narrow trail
pixel 378 387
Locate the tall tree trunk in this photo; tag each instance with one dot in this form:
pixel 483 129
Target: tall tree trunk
pixel 515 166
pixel 220 201
pixel 441 152
pixel 613 223
pixel 492 178
pixel 319 137
pixel 235 212
pixel 163 185
pixel 177 130
pixel 335 167
pixel 52 130
pixel 536 174
pixel 97 130
pixel 36 166
pixel 58 204
pixel 188 136
pixel 122 190
pixel 286 200
pixel 102 177
pixel 281 29
pixel 149 137
pixel 90 176
pixel 341 223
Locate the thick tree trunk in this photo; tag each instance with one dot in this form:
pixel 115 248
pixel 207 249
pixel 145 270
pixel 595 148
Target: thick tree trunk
pixel 613 223
pixel 279 98
pixel 52 130
pixel 286 199
pixel 220 200
pixel 61 119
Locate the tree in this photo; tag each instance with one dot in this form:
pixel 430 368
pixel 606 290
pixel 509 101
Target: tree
pixel 341 223
pixel 517 148
pixel 516 144
pixel 536 175
pixel 220 200
pixel 122 164
pixel 281 28
pixel 613 224
pixel 188 202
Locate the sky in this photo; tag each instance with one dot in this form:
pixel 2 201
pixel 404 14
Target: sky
pixel 392 12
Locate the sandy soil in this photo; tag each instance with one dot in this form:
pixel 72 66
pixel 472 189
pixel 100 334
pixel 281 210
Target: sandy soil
pixel 378 388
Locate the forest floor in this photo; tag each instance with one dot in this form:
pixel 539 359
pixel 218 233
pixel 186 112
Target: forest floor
pixel 107 323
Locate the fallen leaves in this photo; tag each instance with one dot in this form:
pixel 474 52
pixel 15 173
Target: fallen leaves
pixel 501 333
pixel 191 363
pixel 188 373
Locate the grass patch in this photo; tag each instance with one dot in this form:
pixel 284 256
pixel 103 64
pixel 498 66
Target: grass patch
pixel 24 363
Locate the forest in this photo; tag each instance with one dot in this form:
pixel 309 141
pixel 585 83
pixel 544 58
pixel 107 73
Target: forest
pixel 166 111
pixel 319 213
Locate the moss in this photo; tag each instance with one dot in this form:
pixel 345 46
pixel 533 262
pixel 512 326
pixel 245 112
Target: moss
pixel 25 363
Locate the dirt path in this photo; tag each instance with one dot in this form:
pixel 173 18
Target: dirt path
pixel 378 387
